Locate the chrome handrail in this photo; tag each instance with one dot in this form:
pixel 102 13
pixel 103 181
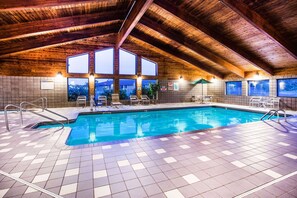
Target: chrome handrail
pixel 6 116
pixel 273 112
pixel 47 118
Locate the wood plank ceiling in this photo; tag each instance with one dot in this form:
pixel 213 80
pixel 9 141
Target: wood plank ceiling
pixel 221 37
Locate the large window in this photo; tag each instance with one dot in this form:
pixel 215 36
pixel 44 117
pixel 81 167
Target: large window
pixel 77 87
pixel 127 63
pixel 104 61
pixel 258 88
pixel 234 88
pixel 78 64
pixel 148 68
pixel 127 88
pixel 146 87
pixel 287 87
pixel 103 87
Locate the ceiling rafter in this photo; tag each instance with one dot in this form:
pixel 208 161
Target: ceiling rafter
pixel 52 40
pixel 261 24
pixel 34 28
pixel 190 44
pixel 176 53
pixel 137 11
pixel 216 35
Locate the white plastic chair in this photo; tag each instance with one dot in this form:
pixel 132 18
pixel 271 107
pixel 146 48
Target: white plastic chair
pixel 102 100
pixel 255 101
pixel 81 100
pixel 133 99
pixel 145 99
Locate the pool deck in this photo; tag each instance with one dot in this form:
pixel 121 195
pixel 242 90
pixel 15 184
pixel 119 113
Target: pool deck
pixel 256 159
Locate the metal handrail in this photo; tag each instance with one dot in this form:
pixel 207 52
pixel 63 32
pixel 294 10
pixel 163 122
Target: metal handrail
pixel 285 114
pixel 43 101
pixel 58 115
pixel 273 112
pixel 47 118
pixel 6 117
pixel 270 111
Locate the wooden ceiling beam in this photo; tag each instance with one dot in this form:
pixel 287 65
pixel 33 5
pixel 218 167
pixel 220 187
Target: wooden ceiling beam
pixel 190 44
pixel 216 35
pixel 137 11
pixel 51 40
pixel 176 53
pixel 34 28
pixel 261 24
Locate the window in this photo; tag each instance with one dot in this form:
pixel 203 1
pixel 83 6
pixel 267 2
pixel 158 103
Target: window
pixel 234 88
pixel 287 87
pixel 258 88
pixel 77 87
pixel 127 63
pixel 148 68
pixel 78 64
pixel 127 88
pixel 103 87
pixel 146 87
pixel 104 61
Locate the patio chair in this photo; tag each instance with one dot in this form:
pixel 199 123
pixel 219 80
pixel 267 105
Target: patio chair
pixel 273 102
pixel 81 100
pixel 102 100
pixel 133 99
pixel 255 101
pixel 145 99
pixel 115 100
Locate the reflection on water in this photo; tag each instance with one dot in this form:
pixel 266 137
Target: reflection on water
pixel 118 126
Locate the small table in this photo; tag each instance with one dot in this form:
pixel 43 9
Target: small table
pixel 116 104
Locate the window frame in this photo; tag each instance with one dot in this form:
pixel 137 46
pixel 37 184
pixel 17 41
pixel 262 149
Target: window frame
pixel 135 80
pixel 120 61
pixel 67 62
pixel 227 87
pixel 277 87
pixel 156 66
pixel 113 60
pixel 248 84
pixel 102 78
pixel 68 88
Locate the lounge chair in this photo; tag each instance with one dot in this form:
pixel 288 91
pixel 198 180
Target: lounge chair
pixel 272 102
pixel 81 100
pixel 133 99
pixel 102 100
pixel 145 99
pixel 115 100
pixel 255 101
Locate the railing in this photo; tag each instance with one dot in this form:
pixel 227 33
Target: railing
pixel 273 112
pixel 6 116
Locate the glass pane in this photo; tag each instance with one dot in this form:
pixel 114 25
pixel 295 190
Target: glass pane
pixel 104 61
pixel 77 87
pixel 127 63
pixel 287 87
pixel 258 88
pixel 146 87
pixel 127 88
pixel 78 64
pixel 103 87
pixel 148 67
pixel 234 88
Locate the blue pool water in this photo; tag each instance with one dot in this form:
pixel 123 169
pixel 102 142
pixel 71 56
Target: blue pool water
pixel 118 126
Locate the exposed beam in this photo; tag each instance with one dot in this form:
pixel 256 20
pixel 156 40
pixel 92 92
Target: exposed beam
pixel 178 54
pixel 50 40
pixel 137 11
pixel 216 35
pixel 21 4
pixel 34 28
pixel 189 43
pixel 261 24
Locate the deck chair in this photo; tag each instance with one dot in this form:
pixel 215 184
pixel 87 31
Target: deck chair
pixel 273 102
pixel 102 100
pixel 115 100
pixel 255 101
pixel 145 99
pixel 81 100
pixel 133 99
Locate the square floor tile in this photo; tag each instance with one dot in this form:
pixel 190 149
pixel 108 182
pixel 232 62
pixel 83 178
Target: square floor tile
pixel 68 189
pixel 204 158
pixel 20 155
pixel 177 137
pixel 201 133
pixel 3 192
pixel 4 144
pixel 97 156
pixel 40 178
pixel 160 151
pixel 99 174
pixel 227 152
pixel 67 152
pixel 18 174
pixel 271 173
pixel 290 156
pixel 123 163
pixel 194 137
pixel 283 144
pixel 191 178
pixel 141 154
pixel 164 139
pixel 174 194
pixel 169 160
pixel 238 164
pixel 138 166
pixel 38 161
pixel 30 190
pixel 106 147
pixel 205 142
pixel 71 172
pixel 184 146
pixel 230 141
pixel 260 157
pixel 218 136
pixel 29 157
pixel 102 191
pixel 5 150
pixel 61 162
pixel 44 151
pixel 124 144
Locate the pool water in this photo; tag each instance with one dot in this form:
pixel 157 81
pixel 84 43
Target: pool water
pixel 118 126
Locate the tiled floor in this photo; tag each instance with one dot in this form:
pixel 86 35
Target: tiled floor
pixel 251 160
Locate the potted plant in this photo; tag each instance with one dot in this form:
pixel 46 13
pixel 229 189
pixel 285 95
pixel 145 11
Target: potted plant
pixel 154 88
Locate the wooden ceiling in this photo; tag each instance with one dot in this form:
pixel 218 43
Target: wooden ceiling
pixel 220 37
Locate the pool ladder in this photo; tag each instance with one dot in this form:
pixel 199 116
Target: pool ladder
pixel 22 108
pixel 273 112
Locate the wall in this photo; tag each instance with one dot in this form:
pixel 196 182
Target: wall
pixel 218 89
